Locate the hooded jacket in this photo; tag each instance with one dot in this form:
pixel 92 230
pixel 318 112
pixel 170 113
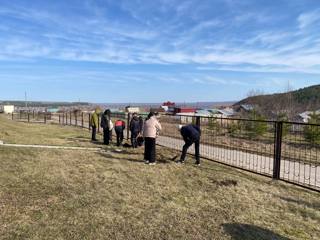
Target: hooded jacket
pixel 105 121
pixel 134 125
pixel 94 121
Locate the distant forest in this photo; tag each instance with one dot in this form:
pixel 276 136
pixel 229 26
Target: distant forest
pixel 42 104
pixel 291 103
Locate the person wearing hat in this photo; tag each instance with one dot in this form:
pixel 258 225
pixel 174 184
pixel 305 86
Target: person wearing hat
pixel 191 135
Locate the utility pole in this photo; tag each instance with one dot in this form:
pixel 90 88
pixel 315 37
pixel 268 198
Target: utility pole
pixel 25 98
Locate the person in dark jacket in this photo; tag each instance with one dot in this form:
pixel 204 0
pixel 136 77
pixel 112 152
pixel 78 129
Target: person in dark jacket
pixel 135 130
pixel 140 139
pixel 106 125
pixel 191 135
pixel 119 127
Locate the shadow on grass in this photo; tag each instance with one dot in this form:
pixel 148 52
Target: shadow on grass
pixel 240 231
pixel 160 159
pixel 113 157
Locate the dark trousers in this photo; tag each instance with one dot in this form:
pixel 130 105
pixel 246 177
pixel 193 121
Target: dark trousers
pixel 188 143
pixel 134 142
pixel 94 133
pixel 119 133
pixel 150 149
pixel 106 136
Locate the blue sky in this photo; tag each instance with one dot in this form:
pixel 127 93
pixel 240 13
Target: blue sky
pixel 152 51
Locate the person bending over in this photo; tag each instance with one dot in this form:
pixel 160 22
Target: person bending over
pixel 191 135
pixel 119 127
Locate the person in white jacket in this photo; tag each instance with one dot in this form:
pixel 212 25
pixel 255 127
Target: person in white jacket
pixel 151 129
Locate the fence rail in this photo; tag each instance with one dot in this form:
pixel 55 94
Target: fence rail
pixel 288 151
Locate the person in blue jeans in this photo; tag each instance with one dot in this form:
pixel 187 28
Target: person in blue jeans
pixel 191 135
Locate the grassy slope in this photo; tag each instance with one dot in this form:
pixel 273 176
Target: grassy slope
pixel 24 133
pixel 52 194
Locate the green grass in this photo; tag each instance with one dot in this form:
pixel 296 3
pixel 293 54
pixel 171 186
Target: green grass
pixel 65 194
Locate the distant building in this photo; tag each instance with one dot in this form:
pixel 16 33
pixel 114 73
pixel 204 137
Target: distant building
pixel 53 110
pixel 160 110
pixel 218 113
pixel 226 112
pixel 243 108
pixel 184 110
pixel 247 107
pixel 8 109
pixel 168 106
pixel 305 116
pixel 132 109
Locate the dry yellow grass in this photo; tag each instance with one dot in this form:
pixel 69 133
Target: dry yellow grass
pixel 64 194
pixel 39 133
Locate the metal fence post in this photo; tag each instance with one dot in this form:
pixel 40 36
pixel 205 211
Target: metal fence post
pixel 28 117
pixel 277 150
pixel 198 123
pixel 45 118
pixel 70 119
pixel 128 125
pixel 76 119
pixel 89 121
pixel 12 115
pixel 198 120
pixel 98 123
pixel 59 119
pixel 82 119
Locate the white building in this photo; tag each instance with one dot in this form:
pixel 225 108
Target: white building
pixel 8 109
pixel 132 109
pixel 305 116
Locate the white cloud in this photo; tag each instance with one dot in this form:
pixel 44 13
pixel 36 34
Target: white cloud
pixel 308 18
pixel 101 39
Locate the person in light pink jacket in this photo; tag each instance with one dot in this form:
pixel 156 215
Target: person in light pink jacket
pixel 151 129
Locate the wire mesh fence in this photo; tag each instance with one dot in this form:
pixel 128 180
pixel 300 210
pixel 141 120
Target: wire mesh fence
pixel 289 151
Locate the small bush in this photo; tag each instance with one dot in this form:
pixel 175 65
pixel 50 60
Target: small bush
pixel 282 117
pixel 233 129
pixel 256 128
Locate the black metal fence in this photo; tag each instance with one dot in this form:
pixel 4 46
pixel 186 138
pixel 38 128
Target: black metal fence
pixel 289 151
pixel 36 117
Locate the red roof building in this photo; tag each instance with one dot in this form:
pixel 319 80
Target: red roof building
pixel 184 110
pixel 169 104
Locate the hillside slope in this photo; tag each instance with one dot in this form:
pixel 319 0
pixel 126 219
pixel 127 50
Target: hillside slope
pixel 304 99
